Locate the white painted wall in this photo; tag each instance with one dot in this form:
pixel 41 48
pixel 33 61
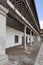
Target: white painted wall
pixel 2 33
pixel 10 37
pixel 3 56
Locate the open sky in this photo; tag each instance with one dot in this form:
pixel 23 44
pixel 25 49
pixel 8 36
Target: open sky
pixel 39 7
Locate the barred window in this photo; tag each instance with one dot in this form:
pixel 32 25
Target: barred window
pixel 16 39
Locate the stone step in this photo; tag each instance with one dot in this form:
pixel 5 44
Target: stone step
pixel 4 56
pixel 3 59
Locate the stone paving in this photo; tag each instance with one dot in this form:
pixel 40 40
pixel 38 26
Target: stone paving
pixel 39 59
pixel 7 63
pixel 20 60
pixel 18 56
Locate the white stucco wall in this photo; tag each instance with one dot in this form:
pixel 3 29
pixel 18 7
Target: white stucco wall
pixel 3 56
pixel 10 37
pixel 2 33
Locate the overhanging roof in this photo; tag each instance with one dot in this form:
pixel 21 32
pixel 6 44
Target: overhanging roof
pixel 6 5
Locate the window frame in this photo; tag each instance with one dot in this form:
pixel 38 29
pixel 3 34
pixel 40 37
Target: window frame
pixel 16 39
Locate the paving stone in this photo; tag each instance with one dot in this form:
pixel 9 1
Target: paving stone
pixel 39 59
pixel 23 57
pixel 27 52
pixel 15 62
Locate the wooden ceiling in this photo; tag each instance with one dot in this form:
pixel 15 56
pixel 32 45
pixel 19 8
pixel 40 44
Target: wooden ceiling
pixel 20 5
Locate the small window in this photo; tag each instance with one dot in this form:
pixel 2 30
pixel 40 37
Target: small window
pixel 16 39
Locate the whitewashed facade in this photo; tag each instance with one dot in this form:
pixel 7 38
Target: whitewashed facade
pixel 10 37
pixel 3 56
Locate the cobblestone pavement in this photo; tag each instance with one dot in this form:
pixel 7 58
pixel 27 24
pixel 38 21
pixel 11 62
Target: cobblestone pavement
pixel 18 56
pixel 8 63
pixel 39 59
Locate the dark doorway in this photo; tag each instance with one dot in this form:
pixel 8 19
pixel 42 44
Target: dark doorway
pixel 22 40
pixel 26 39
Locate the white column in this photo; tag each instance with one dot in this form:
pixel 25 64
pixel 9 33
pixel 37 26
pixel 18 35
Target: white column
pixel 31 38
pixel 34 37
pixel 25 47
pixel 3 12
pixel 39 38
